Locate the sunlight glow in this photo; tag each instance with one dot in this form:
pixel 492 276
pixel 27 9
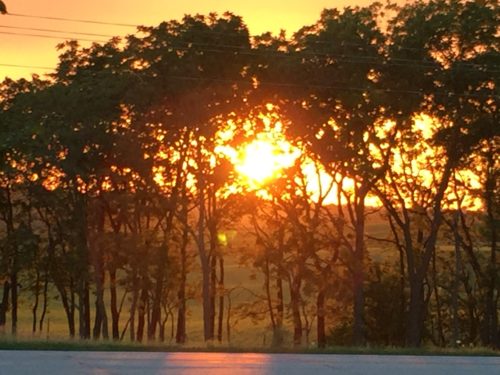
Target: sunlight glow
pixel 262 160
pixel 261 155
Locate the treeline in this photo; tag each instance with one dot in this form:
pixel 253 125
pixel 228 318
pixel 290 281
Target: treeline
pixel 113 189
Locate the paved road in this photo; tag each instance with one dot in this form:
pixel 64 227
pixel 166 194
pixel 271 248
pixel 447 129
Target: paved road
pixel 122 363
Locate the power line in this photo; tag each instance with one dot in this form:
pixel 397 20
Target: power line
pixel 52 37
pixel 377 60
pixel 301 53
pixel 73 20
pixel 354 59
pixel 56 31
pixel 78 20
pixel 242 50
pixel 212 32
pixel 26 66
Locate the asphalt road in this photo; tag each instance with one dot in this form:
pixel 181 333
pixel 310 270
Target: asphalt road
pixel 124 363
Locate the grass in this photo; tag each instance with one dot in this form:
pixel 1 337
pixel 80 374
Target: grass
pixel 244 331
pixel 7 343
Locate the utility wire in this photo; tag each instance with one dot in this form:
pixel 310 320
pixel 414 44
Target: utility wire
pixel 56 31
pixel 241 50
pixel 212 32
pixel 300 54
pixel 26 66
pixel 52 37
pixel 73 20
pixel 353 59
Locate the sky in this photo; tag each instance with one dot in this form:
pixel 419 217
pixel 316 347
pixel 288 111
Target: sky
pixel 259 15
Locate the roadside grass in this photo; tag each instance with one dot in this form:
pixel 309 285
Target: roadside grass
pixel 10 343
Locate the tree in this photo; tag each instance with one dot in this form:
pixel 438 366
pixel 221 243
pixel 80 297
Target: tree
pixel 343 50
pixel 443 33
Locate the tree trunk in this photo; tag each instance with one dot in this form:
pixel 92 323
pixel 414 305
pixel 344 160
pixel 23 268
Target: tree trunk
pixel 160 277
pixel 158 293
pixel 14 299
pixel 221 299
pixel 81 311
pixel 34 309
pixel 86 310
pixel 100 325
pixel 358 272
pixel 213 291
pixel 180 335
pixel 66 305
pixel 12 259
pixel 207 301
pixel 296 317
pixel 456 281
pixel 491 331
pixel 320 317
pixel 162 328
pixel 267 287
pixel 141 313
pixel 45 301
pixel 441 339
pixel 135 299
pixel 280 314
pixel 4 306
pixel 115 315
pixel 416 310
pixel 208 332
pixel 72 308
pixel 80 210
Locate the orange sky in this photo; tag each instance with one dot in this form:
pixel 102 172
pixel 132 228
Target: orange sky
pixel 260 16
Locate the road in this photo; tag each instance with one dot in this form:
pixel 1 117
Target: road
pixel 124 363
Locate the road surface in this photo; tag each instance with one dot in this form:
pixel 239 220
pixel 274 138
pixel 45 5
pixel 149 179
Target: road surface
pixel 124 363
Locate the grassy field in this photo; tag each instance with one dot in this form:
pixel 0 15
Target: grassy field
pixel 79 345
pixel 245 333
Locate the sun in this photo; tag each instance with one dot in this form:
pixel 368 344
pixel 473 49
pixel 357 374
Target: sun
pixel 262 157
pixel 258 161
pixel 262 160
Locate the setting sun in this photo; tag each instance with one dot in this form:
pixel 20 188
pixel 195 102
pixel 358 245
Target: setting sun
pixel 261 160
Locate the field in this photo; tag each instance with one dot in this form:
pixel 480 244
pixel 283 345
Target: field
pixel 246 283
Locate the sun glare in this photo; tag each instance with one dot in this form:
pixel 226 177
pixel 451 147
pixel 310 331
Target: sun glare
pixel 262 160
pixel 265 154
